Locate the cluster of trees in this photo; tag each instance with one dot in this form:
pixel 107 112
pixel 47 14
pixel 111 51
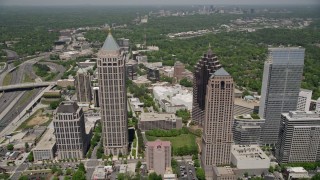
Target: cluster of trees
pixel 305 165
pixel 167 133
pixel 186 150
pixel 30 157
pixel 54 57
pixel 41 70
pixel 94 141
pixel 185 82
pixel 184 114
pixel 166 79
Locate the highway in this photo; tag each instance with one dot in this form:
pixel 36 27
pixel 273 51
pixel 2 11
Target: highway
pixel 8 97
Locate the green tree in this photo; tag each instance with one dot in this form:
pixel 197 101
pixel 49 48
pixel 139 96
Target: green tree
pixel 271 169
pixel 184 114
pixel 79 175
pixel 200 174
pixel 82 168
pixel 316 176
pixel 185 82
pixel 23 178
pixel 154 176
pixel 138 165
pixel 26 146
pixel 30 157
pixel 68 171
pixel 10 147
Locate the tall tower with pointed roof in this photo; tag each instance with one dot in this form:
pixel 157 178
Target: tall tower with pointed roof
pixel 112 97
pixel 205 67
pixel 218 121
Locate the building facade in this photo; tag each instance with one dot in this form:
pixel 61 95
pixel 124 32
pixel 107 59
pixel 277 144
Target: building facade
pixel 178 71
pixel 96 96
pixel 217 131
pixel 46 148
pixel 69 129
pixel 112 97
pixel 153 74
pixel 158 156
pixel 281 82
pixel 304 100
pixel 203 70
pixel 299 137
pixel 83 86
pixel 131 69
pixel 166 121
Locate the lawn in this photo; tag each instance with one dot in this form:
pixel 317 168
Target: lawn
pixel 36 119
pixel 178 141
pixel 27 78
pixel 7 79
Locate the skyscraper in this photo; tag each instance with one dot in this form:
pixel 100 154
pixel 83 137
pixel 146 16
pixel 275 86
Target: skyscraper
pixel 218 122
pixel 281 82
pixel 304 100
pixel 205 67
pixel 83 86
pixel 112 97
pixel 178 71
pixel 69 129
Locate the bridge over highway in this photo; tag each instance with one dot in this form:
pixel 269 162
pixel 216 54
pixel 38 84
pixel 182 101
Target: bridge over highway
pixel 26 86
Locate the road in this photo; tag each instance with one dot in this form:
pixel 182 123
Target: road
pixel 11 54
pixel 55 68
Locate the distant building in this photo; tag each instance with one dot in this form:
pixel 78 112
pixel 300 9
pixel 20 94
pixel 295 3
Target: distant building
pixel 123 44
pixel 203 70
pixel 69 129
pixel 218 121
pixel 167 121
pixel 281 83
pixel 247 130
pixel 87 63
pixel 179 70
pixel 250 158
pixel 46 147
pixel 158 156
pixel 299 138
pixel 304 100
pixel 296 173
pixel 99 173
pixel 131 69
pixel 153 74
pixel 96 97
pixel 168 107
pixel 222 173
pixel 83 86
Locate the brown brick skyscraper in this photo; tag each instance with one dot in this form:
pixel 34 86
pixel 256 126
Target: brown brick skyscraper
pixel 218 121
pixel 206 66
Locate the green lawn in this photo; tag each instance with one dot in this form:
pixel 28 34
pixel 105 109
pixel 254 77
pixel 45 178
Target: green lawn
pixel 7 79
pixel 178 141
pixel 27 78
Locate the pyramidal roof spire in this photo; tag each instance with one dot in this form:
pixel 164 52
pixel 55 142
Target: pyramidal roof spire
pixel 209 50
pixel 221 72
pixel 110 44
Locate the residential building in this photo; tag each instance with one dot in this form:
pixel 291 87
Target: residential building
pixel 247 129
pixel 167 121
pixel 69 130
pixel 218 121
pixel 281 83
pixel 299 137
pixel 112 97
pixel 153 74
pixel 83 86
pixel 158 156
pixel 304 100
pixel 178 71
pixel 222 173
pixel 131 69
pixel 250 159
pixel 46 147
pixel 203 70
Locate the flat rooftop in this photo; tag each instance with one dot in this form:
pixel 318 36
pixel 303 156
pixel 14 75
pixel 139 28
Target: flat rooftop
pixel 248 152
pixel 226 170
pixel 47 141
pixel 67 107
pixel 244 103
pixel 157 116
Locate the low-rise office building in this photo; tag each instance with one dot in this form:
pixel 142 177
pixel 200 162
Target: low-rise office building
pixel 46 148
pixel 167 121
pixel 249 158
pixel 222 173
pixel 168 107
pixel 247 129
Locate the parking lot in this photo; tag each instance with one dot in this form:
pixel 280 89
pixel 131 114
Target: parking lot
pixel 187 171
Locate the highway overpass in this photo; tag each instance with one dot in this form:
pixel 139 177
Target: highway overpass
pixel 26 86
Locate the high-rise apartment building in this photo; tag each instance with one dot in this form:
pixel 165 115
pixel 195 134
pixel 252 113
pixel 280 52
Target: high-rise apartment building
pixel 299 137
pixel 218 122
pixel 203 70
pixel 112 97
pixel 69 129
pixel 304 100
pixel 281 82
pixel 158 156
pixel 83 86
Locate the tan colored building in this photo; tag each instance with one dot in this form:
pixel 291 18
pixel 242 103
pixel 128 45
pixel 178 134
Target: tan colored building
pixel 178 71
pixel 69 129
pixel 223 173
pixel 158 156
pixel 167 121
pixel 112 97
pixel 218 122
pixel 83 86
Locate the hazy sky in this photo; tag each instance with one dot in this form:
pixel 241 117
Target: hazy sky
pixel 152 2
